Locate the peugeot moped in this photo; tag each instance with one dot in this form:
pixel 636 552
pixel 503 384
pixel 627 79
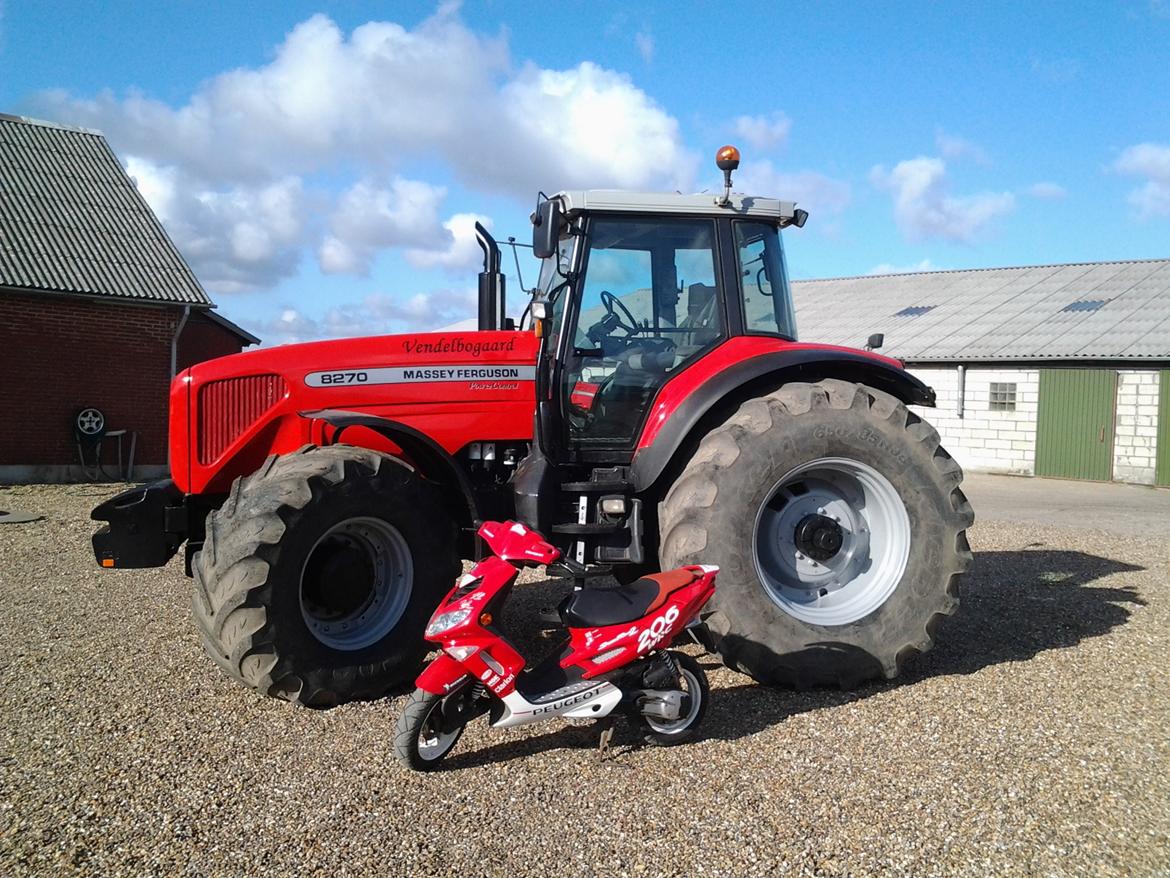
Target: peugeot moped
pixel 612 654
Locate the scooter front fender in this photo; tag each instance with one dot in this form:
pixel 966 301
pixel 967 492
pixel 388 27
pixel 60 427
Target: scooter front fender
pixel 441 676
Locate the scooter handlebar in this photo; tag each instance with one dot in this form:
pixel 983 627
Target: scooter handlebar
pixel 513 542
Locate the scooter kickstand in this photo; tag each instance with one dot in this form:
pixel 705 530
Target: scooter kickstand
pixel 606 737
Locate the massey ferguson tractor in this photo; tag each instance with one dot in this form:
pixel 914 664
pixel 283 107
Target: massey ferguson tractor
pixel 652 408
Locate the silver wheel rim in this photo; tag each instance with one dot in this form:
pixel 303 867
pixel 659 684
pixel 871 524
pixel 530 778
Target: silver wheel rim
pixel 380 600
pixel 863 510
pixel 675 726
pixel 433 744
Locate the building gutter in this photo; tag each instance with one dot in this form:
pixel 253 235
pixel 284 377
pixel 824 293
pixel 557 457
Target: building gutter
pixel 175 360
pixel 175 341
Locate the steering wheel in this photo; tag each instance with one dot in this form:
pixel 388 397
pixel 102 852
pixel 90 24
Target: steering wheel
pixel 613 304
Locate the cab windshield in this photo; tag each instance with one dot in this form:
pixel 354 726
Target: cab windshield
pixel 649 305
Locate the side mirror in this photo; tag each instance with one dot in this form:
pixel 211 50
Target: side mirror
pixel 875 341
pixel 546 228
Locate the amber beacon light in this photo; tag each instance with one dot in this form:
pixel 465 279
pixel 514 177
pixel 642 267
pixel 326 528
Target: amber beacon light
pixel 726 160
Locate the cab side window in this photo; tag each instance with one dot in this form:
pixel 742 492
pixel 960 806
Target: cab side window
pixel 767 301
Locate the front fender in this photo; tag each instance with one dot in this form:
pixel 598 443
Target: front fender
pixel 424 452
pixel 441 676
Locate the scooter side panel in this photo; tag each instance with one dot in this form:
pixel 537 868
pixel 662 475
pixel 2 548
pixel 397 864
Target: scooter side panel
pixel 441 676
pixel 600 650
pixel 592 703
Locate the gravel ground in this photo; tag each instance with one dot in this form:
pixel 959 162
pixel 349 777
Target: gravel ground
pixel 1034 740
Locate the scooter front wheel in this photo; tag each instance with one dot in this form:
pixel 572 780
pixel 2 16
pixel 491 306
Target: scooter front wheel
pixel 693 682
pixel 422 737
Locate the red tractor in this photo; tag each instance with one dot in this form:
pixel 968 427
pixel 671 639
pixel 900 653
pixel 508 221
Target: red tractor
pixel 653 409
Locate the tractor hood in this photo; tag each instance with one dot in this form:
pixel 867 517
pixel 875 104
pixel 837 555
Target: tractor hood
pixel 228 414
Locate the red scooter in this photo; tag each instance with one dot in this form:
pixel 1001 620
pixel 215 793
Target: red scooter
pixel 613 655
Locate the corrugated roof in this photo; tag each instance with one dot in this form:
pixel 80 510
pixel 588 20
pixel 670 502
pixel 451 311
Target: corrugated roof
pixel 72 221
pixel 1120 311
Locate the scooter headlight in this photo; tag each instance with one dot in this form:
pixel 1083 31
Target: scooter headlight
pixel 446 621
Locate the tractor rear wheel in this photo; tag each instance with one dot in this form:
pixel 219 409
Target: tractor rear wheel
pixel 318 575
pixel 839 528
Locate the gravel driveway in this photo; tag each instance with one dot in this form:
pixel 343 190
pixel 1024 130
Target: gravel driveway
pixel 1034 740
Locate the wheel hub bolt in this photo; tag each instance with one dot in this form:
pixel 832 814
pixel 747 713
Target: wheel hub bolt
pixel 818 537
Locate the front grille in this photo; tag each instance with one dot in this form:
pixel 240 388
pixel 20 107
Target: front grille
pixel 227 408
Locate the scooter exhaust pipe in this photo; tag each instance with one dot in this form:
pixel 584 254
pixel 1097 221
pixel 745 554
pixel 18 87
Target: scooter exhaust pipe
pixel 666 704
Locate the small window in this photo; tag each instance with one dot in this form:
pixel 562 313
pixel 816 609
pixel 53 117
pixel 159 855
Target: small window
pixel 1003 397
pixel 915 310
pixel 1086 305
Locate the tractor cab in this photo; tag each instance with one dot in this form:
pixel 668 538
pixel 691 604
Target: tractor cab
pixel 634 289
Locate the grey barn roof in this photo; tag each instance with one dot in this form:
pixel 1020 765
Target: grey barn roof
pixel 72 221
pixel 1086 311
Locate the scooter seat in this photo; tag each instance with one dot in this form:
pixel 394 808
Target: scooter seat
pixel 597 607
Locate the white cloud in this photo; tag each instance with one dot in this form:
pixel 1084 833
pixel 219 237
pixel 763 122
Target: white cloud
pixel 236 238
pixel 1046 190
pixel 384 95
pixel 369 218
pixel 924 207
pixel 1151 161
pixel 953 148
pixel 645 44
pixel 376 314
pixel 889 268
pixel 587 127
pixel 357 108
pixel 457 249
pixel 813 191
pixel 763 132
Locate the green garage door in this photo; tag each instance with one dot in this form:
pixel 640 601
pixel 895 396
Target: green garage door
pixel 1074 428
pixel 1162 476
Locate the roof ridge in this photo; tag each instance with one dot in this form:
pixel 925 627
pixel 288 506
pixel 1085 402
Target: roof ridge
pixel 813 280
pixel 44 123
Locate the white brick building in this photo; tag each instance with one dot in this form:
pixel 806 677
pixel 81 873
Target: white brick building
pixel 1049 370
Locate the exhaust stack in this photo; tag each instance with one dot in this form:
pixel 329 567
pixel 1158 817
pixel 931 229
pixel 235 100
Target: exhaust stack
pixel 491 282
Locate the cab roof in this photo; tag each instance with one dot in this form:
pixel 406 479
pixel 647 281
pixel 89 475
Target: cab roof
pixel 703 203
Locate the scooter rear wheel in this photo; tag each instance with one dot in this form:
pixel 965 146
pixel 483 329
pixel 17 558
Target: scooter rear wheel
pixel 693 680
pixel 420 743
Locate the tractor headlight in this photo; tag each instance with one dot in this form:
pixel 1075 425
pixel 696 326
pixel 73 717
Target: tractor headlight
pixel 446 621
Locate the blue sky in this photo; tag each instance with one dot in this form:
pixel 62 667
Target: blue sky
pixel 320 165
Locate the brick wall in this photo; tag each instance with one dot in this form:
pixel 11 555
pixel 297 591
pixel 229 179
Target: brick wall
pixel 204 340
pixel 983 439
pixel 61 354
pixel 1136 433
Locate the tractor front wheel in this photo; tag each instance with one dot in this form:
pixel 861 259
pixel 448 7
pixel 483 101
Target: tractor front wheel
pixel 319 573
pixel 839 529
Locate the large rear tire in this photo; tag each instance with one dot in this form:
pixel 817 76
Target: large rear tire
pixel 318 575
pixel 839 529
